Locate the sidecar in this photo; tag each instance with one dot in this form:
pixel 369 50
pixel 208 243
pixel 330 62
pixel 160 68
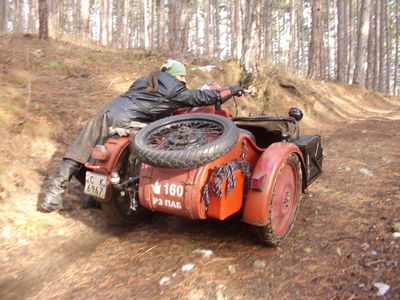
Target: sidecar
pixel 202 165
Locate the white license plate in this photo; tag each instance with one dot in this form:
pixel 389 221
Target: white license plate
pixel 95 185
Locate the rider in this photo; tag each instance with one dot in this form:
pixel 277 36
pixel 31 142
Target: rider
pixel 149 98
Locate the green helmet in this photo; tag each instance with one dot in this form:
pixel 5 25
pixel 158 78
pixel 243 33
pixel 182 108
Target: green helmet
pixel 174 68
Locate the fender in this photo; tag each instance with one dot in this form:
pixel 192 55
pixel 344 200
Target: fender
pixel 115 147
pixel 256 207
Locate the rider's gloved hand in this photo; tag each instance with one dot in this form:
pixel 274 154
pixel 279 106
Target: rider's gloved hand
pixel 227 93
pixel 236 90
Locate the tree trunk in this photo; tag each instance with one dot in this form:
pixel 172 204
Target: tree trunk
pixel 376 54
pixel 127 11
pixel 132 24
pixel 316 45
pixel 54 20
pixel 326 66
pixel 172 30
pixel 381 44
pixel 216 28
pixel 207 27
pixel 119 15
pixel 183 25
pixel 32 9
pixel 396 81
pixel 362 43
pixel 77 20
pixel 301 53
pixel 85 15
pixel 178 25
pixel 110 22
pixel 3 15
pixel 268 30
pixel 144 25
pixel 371 68
pixel 43 20
pixel 18 16
pixel 197 35
pixel 347 41
pixel 388 48
pixel 105 19
pixel 212 28
pixel 342 42
pixel 278 29
pixel 351 30
pixel 251 36
pixel 151 24
pixel 236 38
pixel 162 25
pixel 62 22
pixel 293 35
pixel 158 27
pixel 239 28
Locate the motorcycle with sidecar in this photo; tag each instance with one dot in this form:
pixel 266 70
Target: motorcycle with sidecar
pixel 203 163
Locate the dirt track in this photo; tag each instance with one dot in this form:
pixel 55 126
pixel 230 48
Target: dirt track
pixel 341 245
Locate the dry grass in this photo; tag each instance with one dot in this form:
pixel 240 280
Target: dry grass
pixel 45 98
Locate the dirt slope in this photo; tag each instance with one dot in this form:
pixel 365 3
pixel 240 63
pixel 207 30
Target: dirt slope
pixel 342 242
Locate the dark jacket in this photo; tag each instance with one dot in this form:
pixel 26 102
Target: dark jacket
pixel 137 105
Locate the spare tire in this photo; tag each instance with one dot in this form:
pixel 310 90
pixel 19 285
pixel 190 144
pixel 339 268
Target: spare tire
pixel 183 141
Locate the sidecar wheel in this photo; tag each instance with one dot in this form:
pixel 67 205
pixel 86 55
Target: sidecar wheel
pixel 183 141
pixel 117 210
pixel 284 204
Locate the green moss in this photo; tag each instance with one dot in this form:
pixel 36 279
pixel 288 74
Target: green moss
pixel 53 63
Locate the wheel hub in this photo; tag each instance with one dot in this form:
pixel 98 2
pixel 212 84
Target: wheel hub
pixel 183 130
pixel 184 138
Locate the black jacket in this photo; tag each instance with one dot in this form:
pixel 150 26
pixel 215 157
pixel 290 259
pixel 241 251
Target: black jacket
pixel 138 105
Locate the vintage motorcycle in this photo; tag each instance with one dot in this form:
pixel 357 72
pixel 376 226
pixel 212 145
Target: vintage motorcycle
pixel 203 163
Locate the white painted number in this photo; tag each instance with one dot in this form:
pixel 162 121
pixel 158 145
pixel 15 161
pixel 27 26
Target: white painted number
pixel 173 189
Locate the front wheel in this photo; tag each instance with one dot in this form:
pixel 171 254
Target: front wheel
pixel 284 203
pixel 118 210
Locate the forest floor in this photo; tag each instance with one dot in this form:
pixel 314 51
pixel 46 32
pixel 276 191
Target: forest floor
pixel 342 244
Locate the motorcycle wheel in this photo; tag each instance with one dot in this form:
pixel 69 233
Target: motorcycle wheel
pixel 183 141
pixel 117 210
pixel 284 204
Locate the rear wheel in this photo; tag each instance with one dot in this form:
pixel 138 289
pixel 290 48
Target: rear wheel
pixel 118 210
pixel 284 204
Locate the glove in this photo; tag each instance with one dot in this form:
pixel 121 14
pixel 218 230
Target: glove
pixel 236 90
pixel 224 95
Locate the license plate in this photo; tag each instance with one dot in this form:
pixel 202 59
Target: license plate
pixel 95 185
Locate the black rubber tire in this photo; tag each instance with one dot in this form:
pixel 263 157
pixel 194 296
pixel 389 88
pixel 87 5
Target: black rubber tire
pixel 183 158
pixel 117 209
pixel 266 234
